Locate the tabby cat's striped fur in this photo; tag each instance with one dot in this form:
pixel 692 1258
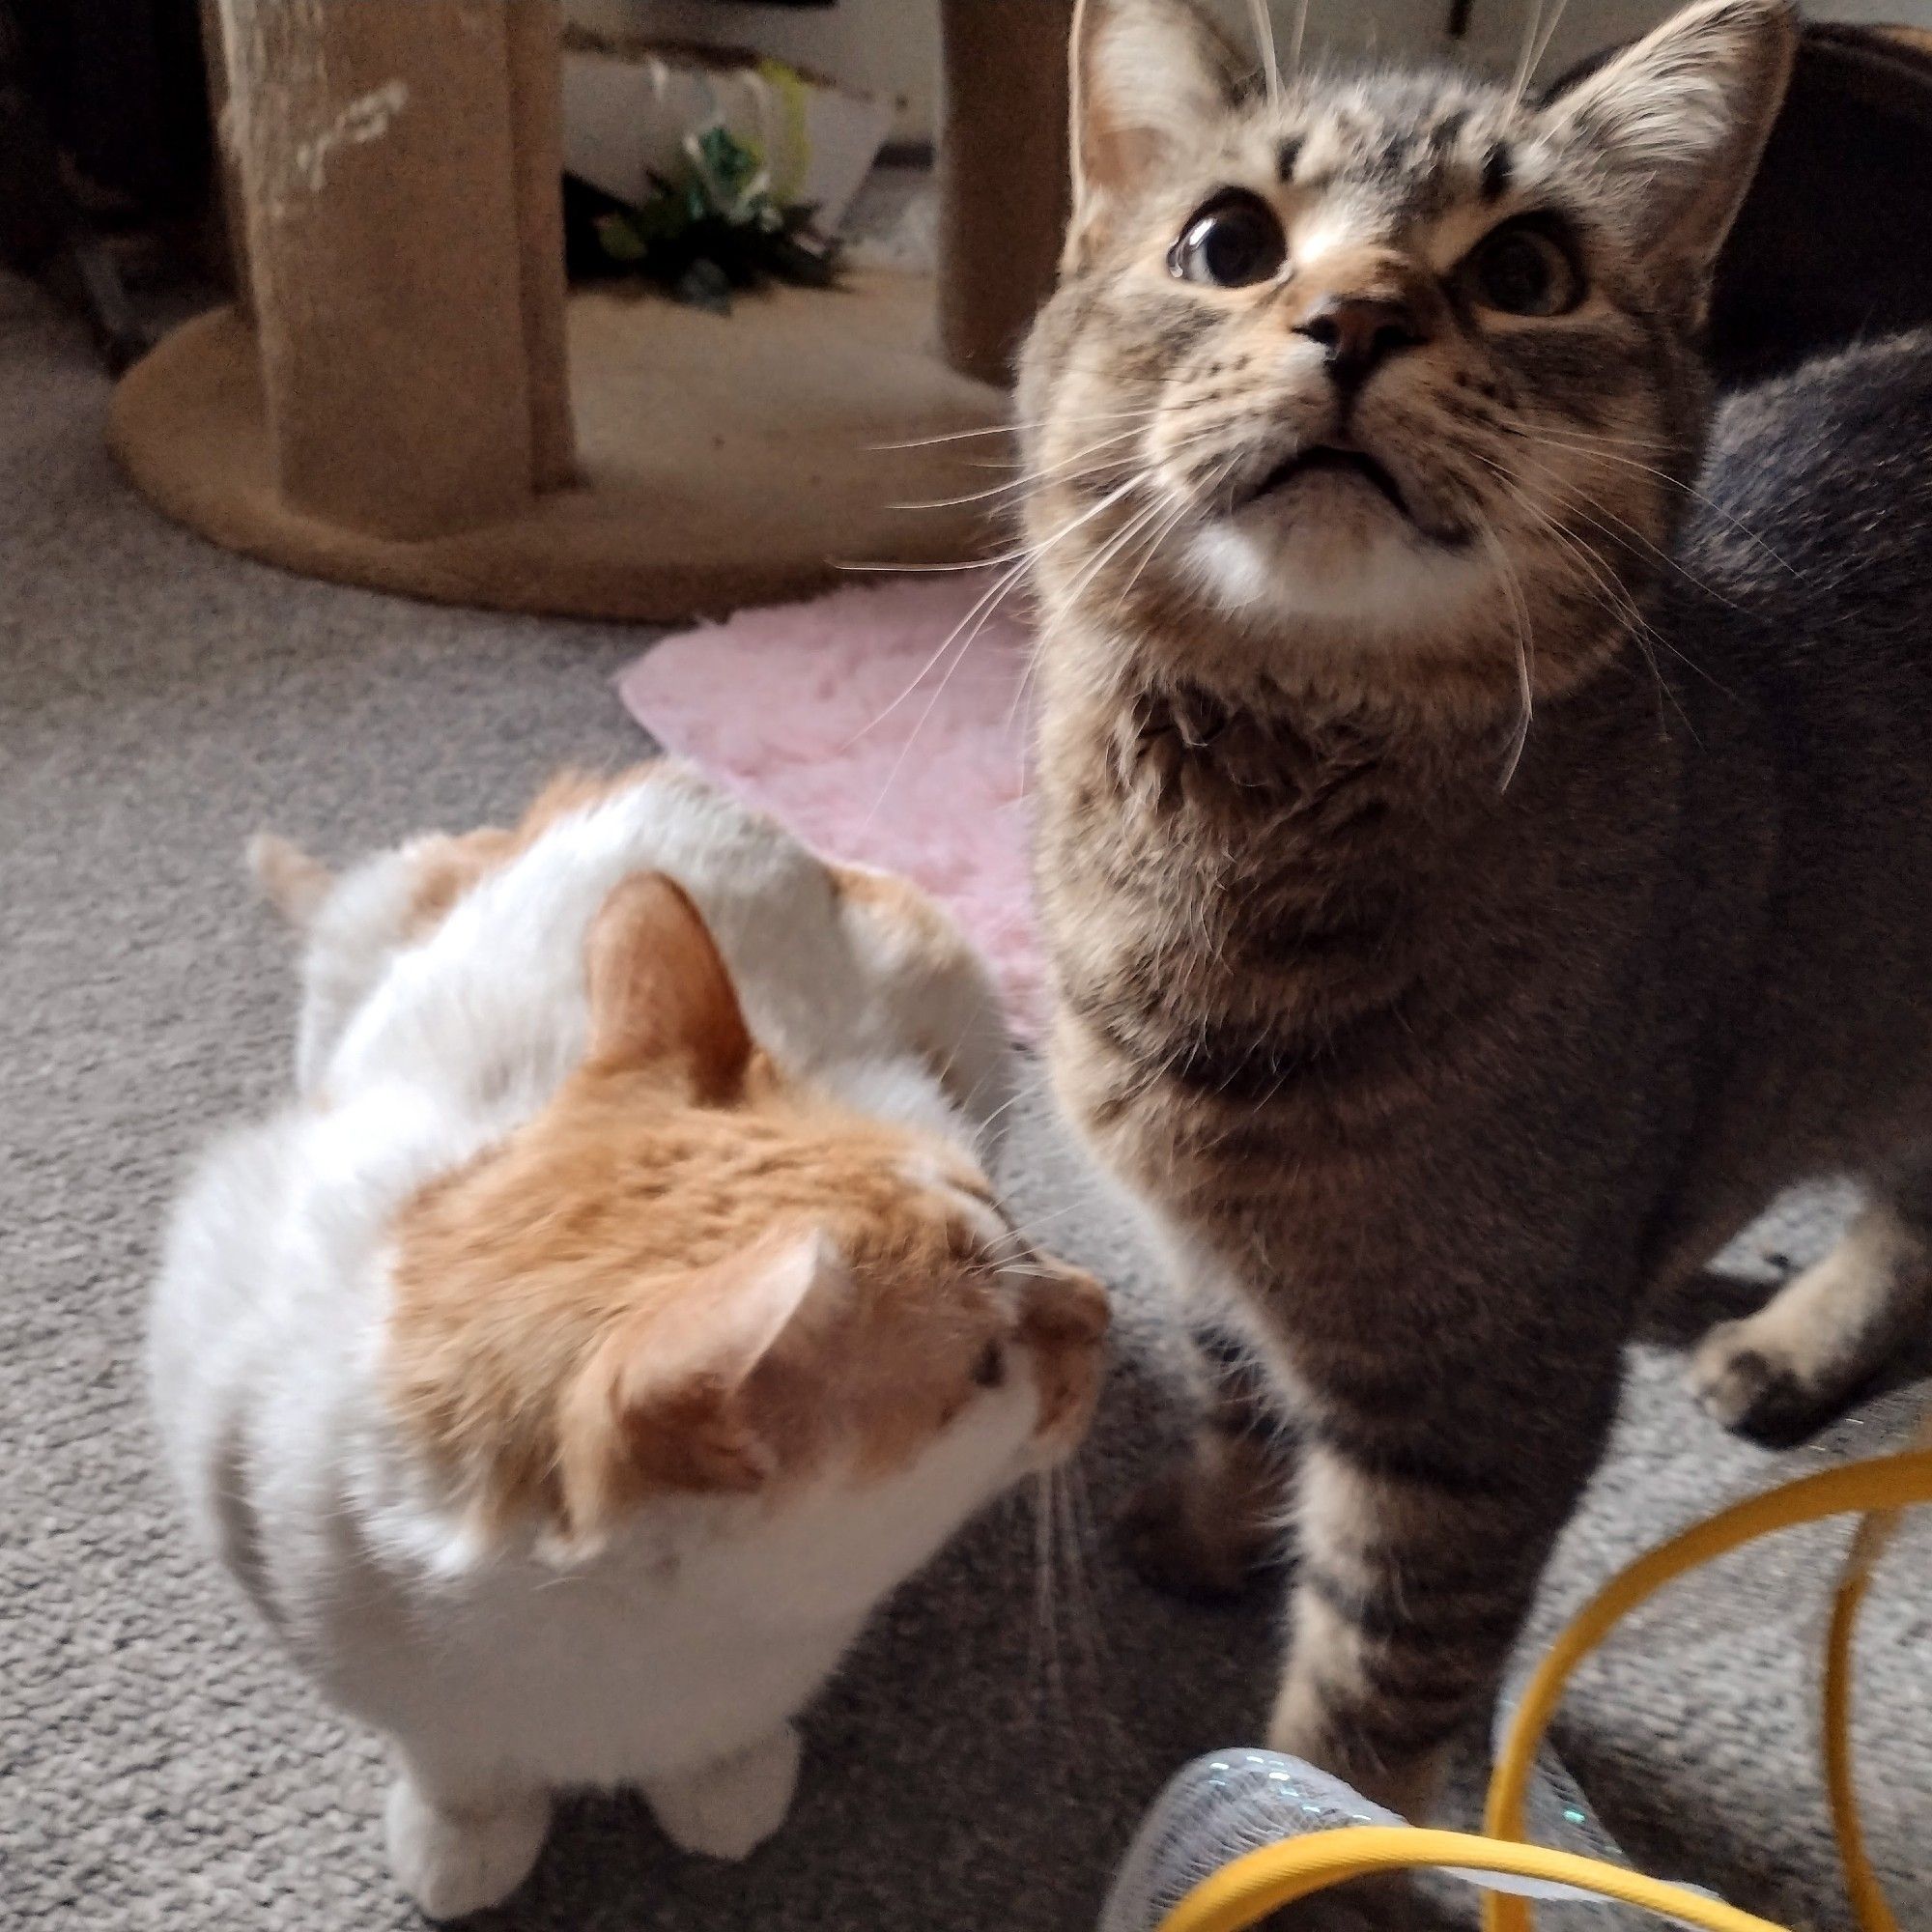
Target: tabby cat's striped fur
pixel 1431 1032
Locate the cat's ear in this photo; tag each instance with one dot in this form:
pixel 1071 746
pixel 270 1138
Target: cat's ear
pixel 668 1401
pixel 291 881
pixel 1150 78
pixel 660 995
pixel 1676 124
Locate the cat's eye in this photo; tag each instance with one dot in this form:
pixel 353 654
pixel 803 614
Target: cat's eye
pixel 989 1372
pixel 1233 242
pixel 1524 267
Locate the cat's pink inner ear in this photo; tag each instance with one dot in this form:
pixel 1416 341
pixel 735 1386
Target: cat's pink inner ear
pixel 660 995
pixel 291 881
pixel 672 1400
pixel 1150 78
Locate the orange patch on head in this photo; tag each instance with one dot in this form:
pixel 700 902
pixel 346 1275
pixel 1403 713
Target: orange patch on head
pixel 680 1278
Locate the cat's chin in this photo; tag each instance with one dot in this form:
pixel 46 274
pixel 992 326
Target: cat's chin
pixel 1364 569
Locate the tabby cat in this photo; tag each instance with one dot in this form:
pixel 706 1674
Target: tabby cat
pixel 1482 828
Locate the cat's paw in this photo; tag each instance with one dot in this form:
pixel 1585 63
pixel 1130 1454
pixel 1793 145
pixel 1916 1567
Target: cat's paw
pixel 729 1809
pixel 456 1860
pixel 1748 1383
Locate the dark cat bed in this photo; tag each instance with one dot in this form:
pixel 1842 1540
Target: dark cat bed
pixel 1826 250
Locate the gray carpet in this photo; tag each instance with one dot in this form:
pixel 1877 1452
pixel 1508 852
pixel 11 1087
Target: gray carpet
pixel 981 1765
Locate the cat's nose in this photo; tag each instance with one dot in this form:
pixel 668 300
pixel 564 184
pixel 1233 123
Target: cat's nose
pixel 1357 334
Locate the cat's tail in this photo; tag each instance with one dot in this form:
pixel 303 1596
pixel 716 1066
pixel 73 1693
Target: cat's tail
pixel 290 880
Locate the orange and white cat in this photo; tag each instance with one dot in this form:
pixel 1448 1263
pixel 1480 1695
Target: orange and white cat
pixel 619 1313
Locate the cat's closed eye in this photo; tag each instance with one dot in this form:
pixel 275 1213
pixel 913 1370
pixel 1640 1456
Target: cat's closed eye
pixel 1232 241
pixel 1525 266
pixel 989 1372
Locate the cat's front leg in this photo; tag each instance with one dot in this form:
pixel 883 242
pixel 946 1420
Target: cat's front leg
pixel 1422 1537
pixel 458 1846
pixel 728 1808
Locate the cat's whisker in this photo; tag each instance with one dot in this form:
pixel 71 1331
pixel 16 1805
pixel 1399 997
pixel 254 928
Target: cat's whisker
pixel 1150 519
pixel 1592 447
pixel 1022 699
pixel 1619 533
pixel 893 569
pixel 1085 1621
pixel 1525 647
pixel 1046 1663
pixel 1069 469
pixel 1150 547
pixel 1616 530
pixel 979 617
pixel 1615 598
pixel 1118 542
pixel 987 495
pixel 1149 550
pixel 1033 1223
pixel 1029 1271
pixel 1263 22
pixel 1008 429
pixel 1544 42
pixel 1020 560
pixel 1525 64
pixel 1611 593
pixel 1007 1105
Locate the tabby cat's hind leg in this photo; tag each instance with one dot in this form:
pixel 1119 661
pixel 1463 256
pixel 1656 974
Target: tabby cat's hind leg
pixel 1215 1522
pixel 1782 1374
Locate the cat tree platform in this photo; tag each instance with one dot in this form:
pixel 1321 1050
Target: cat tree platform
pixel 719 462
pixel 406 397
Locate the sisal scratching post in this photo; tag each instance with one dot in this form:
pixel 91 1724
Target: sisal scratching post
pixel 534 42
pixel 228 173
pixel 1002 174
pixel 399 162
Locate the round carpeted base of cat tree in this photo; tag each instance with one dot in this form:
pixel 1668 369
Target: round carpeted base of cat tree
pixel 720 461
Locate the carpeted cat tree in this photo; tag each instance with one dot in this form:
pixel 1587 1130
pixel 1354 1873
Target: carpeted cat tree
pixel 404 396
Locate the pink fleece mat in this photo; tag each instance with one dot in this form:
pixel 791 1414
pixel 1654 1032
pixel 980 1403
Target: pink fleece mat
pixel 869 724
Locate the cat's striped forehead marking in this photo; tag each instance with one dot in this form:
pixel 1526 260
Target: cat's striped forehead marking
pixel 1409 165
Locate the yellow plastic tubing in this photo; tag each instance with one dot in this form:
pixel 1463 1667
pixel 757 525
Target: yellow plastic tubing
pixel 1251 1888
pixel 1886 1483
pixel 1241 1893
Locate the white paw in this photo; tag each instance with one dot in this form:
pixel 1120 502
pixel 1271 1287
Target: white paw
pixel 729 1809
pixel 454 1861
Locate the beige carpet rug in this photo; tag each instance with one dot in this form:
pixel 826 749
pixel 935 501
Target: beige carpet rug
pixel 978 1767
